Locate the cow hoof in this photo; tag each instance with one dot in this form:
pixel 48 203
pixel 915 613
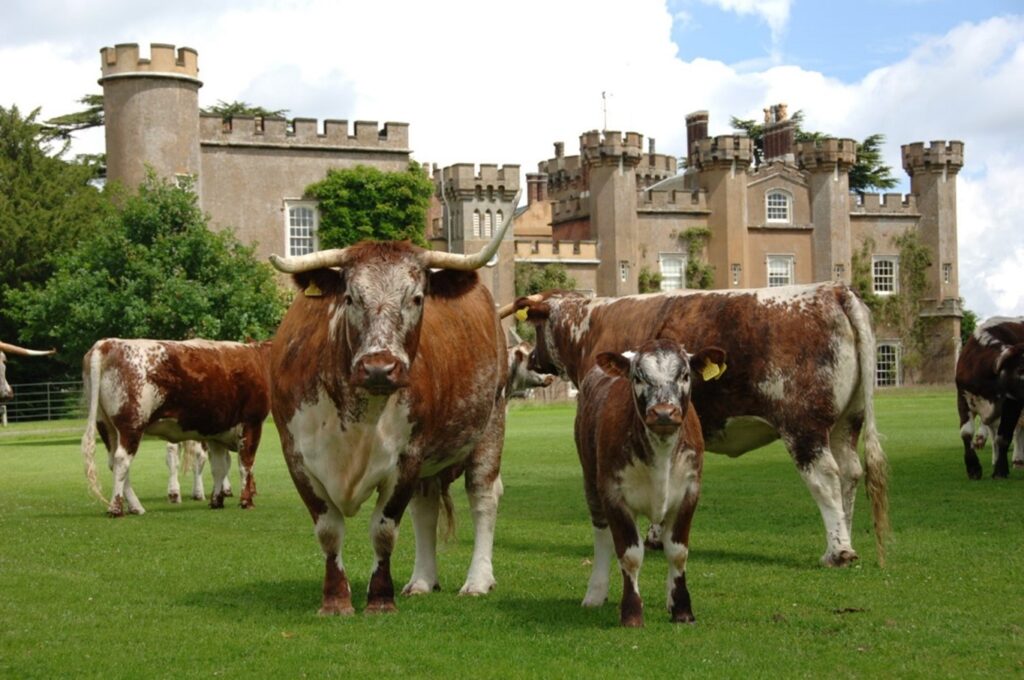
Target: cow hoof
pixel 336 609
pixel 974 474
pixel 843 559
pixel 1019 464
pixel 381 607
pixel 684 617
pixel 137 511
pixel 115 513
pixel 199 497
pixel 174 498
pixel 1000 474
pixel 420 587
pixel 228 494
pixel 477 589
pixel 632 621
pixel 116 507
pixel 245 504
pixel 217 503
pixel 594 599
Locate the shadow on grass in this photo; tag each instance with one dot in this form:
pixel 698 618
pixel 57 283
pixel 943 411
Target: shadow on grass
pixel 254 599
pixel 718 556
pixel 559 613
pixel 15 442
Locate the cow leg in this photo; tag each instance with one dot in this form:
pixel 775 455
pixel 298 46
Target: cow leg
pixel 330 531
pixel 971 462
pixel 844 449
pixel 1004 436
pixel 383 534
pixel 120 461
pixel 677 551
pixel 604 549
pixel 196 453
pixel 629 548
pixel 220 465
pixel 134 505
pixel 1018 446
pixel 246 458
pixel 484 488
pixel 424 507
pixel 173 486
pixel 821 474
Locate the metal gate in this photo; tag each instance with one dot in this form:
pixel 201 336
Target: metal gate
pixel 44 401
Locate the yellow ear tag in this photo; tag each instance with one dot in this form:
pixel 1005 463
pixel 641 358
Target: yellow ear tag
pixel 712 371
pixel 523 313
pixel 313 291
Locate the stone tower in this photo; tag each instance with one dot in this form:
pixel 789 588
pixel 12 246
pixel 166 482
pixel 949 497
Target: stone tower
pixel 933 171
pixel 723 162
pixel 828 164
pixel 610 160
pixel 151 109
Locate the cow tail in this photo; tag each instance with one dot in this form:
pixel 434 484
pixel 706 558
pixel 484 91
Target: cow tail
pixel 91 385
pixel 446 526
pixel 875 461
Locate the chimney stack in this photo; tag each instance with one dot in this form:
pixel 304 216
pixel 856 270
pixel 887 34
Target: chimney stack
pixel 696 130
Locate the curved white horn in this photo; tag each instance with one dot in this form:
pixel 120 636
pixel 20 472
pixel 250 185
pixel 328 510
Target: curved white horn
pixel 303 263
pixel 510 308
pixel 441 260
pixel 14 349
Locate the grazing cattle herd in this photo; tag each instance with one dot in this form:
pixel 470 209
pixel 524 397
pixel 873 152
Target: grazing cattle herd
pixel 390 375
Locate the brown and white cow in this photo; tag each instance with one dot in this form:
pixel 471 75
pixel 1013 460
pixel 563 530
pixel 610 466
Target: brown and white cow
pixel 215 392
pixel 805 363
pixel 521 378
pixel 640 445
pixel 191 456
pixel 6 393
pixel 385 375
pixel 990 386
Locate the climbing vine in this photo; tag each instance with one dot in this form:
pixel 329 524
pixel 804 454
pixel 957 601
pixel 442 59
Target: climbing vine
pixel 900 312
pixel 699 274
pixel 648 281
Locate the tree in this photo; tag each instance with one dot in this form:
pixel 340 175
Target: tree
pixel 153 269
pixel 47 206
pixel 532 279
pixel 868 171
pixel 228 110
pixel 363 203
pixel 968 323
pixel 91 116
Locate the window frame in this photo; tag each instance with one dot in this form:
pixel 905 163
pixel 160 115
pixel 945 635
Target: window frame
pixel 788 198
pixel 683 261
pixel 790 261
pixel 893 260
pixel 291 205
pixel 892 376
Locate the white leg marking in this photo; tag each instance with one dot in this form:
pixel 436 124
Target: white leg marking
pixel 484 507
pixel 604 551
pixel 822 480
pixel 220 464
pixel 173 486
pixel 119 462
pixel 631 561
pixel 199 457
pixel 676 554
pixel 424 509
pixel 134 505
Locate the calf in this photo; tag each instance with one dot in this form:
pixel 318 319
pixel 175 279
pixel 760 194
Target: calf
pixel 520 376
pixel 642 452
pixel 990 386
pixel 215 392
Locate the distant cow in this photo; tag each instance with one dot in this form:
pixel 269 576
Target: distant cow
pixel 6 393
pixel 990 385
pixel 215 392
pixel 194 460
pixel 805 359
pixel 640 444
pixel 385 374
pixel 521 377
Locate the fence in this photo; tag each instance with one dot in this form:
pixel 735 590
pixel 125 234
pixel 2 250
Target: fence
pixel 44 401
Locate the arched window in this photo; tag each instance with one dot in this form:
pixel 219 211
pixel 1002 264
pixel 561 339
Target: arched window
pixel 487 232
pixel 476 224
pixel 499 219
pixel 778 206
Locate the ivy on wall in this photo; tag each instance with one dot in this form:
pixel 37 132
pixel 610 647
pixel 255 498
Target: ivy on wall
pixel 699 274
pixel 648 281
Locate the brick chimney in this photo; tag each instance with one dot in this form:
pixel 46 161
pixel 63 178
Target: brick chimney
pixel 696 130
pixel 536 187
pixel 779 132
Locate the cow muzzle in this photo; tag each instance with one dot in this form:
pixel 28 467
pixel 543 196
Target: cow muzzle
pixel 664 419
pixel 380 373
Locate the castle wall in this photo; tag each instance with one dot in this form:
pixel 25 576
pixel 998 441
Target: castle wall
pixel 758 188
pixel 764 242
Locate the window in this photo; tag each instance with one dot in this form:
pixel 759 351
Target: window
pixel 302 225
pixel 623 270
pixel 476 224
pixel 780 270
pixel 887 364
pixel 499 219
pixel 947 272
pixel 487 233
pixel 885 274
pixel 673 271
pixel 777 206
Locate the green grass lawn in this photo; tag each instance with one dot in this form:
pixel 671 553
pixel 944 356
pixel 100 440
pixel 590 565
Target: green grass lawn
pixel 184 591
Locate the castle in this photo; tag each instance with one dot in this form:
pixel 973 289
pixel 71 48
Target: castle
pixel 612 214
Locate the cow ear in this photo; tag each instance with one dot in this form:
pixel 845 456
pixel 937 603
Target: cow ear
pixel 615 365
pixel 1008 356
pixel 536 311
pixel 319 282
pixel 708 363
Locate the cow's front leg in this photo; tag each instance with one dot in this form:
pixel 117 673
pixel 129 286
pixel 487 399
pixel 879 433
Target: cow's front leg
pixel 630 550
pixel 134 504
pixel 392 501
pixel 970 441
pixel 1004 436
pixel 604 549
pixel 330 531
pixel 677 551
pixel 246 458
pixel 195 454
pixel 821 475
pixel 484 488
pixel 220 465
pixel 173 486
pixel 424 507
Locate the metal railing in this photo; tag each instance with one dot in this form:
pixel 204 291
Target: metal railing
pixel 44 401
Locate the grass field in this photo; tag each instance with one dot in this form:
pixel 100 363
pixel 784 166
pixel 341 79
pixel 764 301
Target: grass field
pixel 188 592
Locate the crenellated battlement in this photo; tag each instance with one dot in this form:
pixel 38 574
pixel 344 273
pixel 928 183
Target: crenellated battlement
pixel 466 178
pixel 672 201
pixel 570 208
pixel 723 149
pixel 826 154
pixel 598 147
pixel 938 155
pixel 123 61
pixel 888 204
pixel 658 166
pixel 247 130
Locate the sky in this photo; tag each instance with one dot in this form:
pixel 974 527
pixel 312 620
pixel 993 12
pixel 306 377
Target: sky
pixel 486 82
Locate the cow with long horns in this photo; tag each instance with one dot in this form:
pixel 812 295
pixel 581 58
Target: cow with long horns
pixel 6 393
pixel 385 374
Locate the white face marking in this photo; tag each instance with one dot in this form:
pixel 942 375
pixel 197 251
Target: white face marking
pixel 385 302
pixel 660 377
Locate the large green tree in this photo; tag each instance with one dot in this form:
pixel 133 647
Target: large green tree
pixel 531 279
pixel 153 269
pixel 363 203
pixel 869 172
pixel 228 110
pixel 47 206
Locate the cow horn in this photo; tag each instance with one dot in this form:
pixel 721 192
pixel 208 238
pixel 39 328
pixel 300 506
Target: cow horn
pixel 436 259
pixel 14 349
pixel 510 308
pixel 334 257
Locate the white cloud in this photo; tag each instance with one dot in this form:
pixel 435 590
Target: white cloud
pixel 775 13
pixel 499 86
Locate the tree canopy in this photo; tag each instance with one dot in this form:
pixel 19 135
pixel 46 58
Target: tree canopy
pixel 868 172
pixel 89 117
pixel 152 269
pixel 364 203
pixel 227 110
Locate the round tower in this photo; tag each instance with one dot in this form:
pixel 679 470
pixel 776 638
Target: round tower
pixel 722 163
pixel 151 111
pixel 827 163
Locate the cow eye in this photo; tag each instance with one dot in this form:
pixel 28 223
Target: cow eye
pixel 417 300
pixel 349 300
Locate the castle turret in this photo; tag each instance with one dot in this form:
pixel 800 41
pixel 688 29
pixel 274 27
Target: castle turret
pixel 723 162
pixel 151 111
pixel 828 164
pixel 933 171
pixel 610 160
pixel 696 130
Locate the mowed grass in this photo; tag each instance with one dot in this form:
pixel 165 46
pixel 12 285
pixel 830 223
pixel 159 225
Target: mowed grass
pixel 185 591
